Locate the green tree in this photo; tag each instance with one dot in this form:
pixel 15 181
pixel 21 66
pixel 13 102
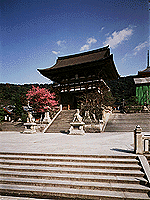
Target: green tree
pixel 2 113
pixel 41 99
pixel 123 88
pixel 18 111
pixel 95 100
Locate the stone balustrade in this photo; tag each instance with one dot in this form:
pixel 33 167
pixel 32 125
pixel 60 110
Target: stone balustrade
pixel 141 141
pixel 52 120
pixel 107 112
pixel 146 141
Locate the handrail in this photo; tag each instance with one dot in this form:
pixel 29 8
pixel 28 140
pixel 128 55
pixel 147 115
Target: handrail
pixel 60 109
pixel 141 141
pixel 146 142
pixel 108 114
pixel 145 166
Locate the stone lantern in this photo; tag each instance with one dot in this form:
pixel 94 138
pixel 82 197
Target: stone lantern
pixel 30 124
pixel 47 118
pixel 77 125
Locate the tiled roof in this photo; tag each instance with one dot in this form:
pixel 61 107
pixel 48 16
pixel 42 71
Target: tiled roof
pixel 8 111
pixel 142 80
pixel 147 70
pixel 99 58
pixel 81 58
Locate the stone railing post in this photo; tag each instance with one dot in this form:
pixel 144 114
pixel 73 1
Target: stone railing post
pixel 138 146
pixel 47 118
pixel 101 124
pixel 60 107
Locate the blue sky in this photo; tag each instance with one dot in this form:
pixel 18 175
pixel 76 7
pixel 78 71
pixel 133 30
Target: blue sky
pixel 35 32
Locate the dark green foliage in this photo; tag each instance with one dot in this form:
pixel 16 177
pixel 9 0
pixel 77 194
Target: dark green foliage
pixel 11 94
pixel 18 110
pixel 123 88
pixel 132 101
pixel 2 113
pixel 24 117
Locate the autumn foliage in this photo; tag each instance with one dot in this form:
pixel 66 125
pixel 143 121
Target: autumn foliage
pixel 41 99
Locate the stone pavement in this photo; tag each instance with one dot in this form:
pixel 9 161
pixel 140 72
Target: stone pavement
pixel 91 143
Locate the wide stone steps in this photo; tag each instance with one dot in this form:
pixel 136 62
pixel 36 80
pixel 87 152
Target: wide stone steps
pixel 64 176
pixel 62 122
pixel 100 159
pixel 90 172
pixel 126 122
pixel 9 126
pixel 76 184
pixel 71 170
pixel 73 177
pixel 68 193
pixel 72 165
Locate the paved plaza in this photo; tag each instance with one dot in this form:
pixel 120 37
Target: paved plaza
pixel 90 143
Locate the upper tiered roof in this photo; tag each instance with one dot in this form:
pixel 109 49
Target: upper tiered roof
pixel 145 72
pixel 81 58
pixel 74 62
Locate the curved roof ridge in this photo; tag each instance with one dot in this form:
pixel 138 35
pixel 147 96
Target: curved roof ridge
pixel 145 70
pixel 84 53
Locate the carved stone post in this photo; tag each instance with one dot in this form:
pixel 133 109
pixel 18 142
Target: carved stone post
pixel 46 119
pixel 60 107
pixel 138 146
pixel 101 124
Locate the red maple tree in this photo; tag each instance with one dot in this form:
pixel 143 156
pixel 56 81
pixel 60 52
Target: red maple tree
pixel 41 99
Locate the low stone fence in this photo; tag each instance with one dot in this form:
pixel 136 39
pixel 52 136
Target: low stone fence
pixel 32 127
pixel 146 140
pixel 141 141
pixel 98 126
pixel 107 112
pixel 136 109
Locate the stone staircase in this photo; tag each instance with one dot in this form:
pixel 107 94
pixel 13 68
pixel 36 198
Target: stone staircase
pixel 63 176
pixel 62 122
pixel 127 122
pixel 9 126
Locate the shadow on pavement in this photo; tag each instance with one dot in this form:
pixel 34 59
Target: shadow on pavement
pixel 64 132
pixel 123 150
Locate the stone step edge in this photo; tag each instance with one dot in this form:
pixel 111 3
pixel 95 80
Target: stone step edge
pixel 81 185
pixel 135 167
pixel 71 162
pixel 71 169
pixel 66 194
pixel 73 158
pixel 109 179
pixel 112 160
pixel 145 166
pixel 122 173
pixel 69 155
